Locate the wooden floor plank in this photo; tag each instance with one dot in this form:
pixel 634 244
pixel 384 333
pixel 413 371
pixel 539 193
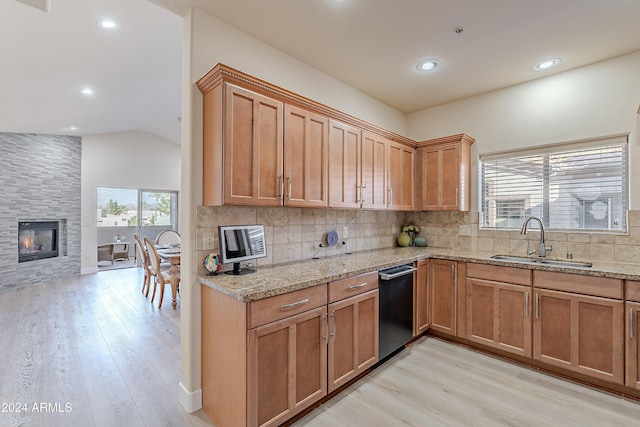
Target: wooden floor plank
pixel 96 341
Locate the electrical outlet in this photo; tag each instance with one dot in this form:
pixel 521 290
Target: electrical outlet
pixel 345 232
pixel 209 241
pixel 464 230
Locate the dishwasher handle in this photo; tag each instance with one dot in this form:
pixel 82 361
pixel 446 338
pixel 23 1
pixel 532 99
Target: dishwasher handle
pixel 386 276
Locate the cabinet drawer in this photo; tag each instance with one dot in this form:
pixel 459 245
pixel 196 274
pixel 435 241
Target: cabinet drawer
pixel 345 288
pixel 518 276
pixel 275 308
pixel 578 283
pixel 633 290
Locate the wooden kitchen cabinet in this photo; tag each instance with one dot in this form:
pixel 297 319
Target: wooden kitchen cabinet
pixel 306 139
pixel 443 291
pixel 498 307
pixel 353 328
pixel 357 168
pixel 581 333
pixel 344 165
pixel 421 298
pixel 632 343
pixel 373 171
pixel 253 132
pixel 443 178
pixel 287 367
pixel 401 171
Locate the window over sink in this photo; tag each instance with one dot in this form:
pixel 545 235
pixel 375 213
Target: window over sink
pixel 574 186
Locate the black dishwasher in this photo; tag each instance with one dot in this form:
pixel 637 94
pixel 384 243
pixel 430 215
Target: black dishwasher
pixel 396 309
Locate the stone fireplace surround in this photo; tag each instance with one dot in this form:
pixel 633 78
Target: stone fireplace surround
pixel 40 176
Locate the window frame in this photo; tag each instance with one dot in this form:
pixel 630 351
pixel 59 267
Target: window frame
pixel 548 206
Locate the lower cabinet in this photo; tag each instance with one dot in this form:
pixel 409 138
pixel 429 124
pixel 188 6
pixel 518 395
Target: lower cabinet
pixel 353 337
pixel 286 367
pixel 632 345
pixel 498 307
pixel 421 298
pixel 498 315
pixel 580 333
pixel 442 282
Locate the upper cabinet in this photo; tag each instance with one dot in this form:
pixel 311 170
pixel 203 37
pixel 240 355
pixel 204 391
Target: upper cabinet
pixel 400 177
pixel 253 149
pixel 444 174
pixel 306 137
pixel 358 168
pixel 344 165
pixel 266 146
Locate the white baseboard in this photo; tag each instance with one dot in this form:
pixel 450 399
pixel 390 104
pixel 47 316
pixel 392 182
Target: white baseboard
pixel 88 270
pixel 190 401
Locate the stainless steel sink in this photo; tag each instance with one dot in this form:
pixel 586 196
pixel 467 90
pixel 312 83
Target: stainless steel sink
pixel 552 262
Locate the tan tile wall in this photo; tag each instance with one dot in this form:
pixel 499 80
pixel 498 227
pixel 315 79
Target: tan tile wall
pixel 444 229
pixel 295 234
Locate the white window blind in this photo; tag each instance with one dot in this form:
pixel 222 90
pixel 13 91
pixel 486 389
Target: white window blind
pixel 580 186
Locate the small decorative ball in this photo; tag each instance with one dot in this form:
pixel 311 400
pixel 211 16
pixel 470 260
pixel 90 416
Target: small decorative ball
pixel 420 241
pixel 403 239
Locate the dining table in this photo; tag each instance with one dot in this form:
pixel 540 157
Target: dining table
pixel 171 253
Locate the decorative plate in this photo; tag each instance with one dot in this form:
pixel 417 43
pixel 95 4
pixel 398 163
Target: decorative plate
pixel 332 238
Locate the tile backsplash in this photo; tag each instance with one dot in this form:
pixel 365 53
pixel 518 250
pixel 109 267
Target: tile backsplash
pixel 460 230
pixel 294 234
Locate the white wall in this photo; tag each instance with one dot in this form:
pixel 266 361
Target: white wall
pixel 597 100
pixel 123 160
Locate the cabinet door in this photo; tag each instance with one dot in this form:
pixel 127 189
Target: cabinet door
pixel 442 283
pixel 373 185
pixel 498 315
pixel 305 158
pixel 633 345
pixel 344 165
pixel 580 333
pixel 421 298
pixel 400 177
pixel 287 367
pixel 440 177
pixel 252 149
pixel 353 337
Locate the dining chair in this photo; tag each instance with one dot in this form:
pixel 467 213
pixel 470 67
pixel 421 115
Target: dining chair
pixel 159 274
pixel 144 260
pixel 168 237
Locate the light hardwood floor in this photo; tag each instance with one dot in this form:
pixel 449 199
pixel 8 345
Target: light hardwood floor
pixel 96 343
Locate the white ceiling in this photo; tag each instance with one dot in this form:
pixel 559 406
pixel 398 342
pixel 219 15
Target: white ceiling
pixel 371 45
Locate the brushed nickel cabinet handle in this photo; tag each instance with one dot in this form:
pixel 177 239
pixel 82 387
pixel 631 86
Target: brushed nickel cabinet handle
pixel 289 181
pixel 390 192
pixel 537 306
pixel 357 286
pixel 363 193
pixel 326 328
pixel 295 304
pixel 333 334
pixel 453 275
pixel 457 198
pixel 526 304
pixel 280 186
pixel 631 322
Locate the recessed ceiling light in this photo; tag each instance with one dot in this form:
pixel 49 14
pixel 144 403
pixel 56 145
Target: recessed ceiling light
pixel 107 24
pixel 87 91
pixel 427 65
pixel 339 1
pixel 546 64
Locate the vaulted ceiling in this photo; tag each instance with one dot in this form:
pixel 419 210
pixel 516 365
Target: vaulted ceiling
pixel 371 45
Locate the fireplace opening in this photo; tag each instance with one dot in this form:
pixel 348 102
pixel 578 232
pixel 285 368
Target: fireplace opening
pixel 37 240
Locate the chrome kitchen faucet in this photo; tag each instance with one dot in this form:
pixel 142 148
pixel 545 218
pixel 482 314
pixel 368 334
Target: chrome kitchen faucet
pixel 542 248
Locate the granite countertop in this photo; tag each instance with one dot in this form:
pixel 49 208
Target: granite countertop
pixel 278 279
